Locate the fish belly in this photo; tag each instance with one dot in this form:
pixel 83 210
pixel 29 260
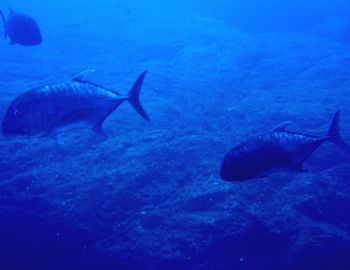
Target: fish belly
pixel 77 112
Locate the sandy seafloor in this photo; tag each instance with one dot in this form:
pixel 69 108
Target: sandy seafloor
pixel 150 196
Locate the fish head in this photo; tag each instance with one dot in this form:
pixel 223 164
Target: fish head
pixel 235 167
pixel 17 122
pixel 260 155
pixel 21 118
pixel 250 159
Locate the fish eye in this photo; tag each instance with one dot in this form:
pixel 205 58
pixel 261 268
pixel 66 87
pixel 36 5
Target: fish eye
pixel 17 113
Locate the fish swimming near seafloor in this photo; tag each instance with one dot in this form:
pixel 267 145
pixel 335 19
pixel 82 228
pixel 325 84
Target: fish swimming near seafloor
pixel 276 150
pixel 21 29
pixel 58 107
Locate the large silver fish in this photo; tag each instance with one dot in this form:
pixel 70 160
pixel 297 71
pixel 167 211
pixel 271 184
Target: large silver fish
pixel 57 107
pixel 277 150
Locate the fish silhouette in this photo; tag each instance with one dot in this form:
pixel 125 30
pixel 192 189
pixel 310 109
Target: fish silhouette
pixel 21 29
pixel 276 150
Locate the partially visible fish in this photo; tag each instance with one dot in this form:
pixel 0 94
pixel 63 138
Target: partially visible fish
pixel 21 29
pixel 277 150
pixel 57 107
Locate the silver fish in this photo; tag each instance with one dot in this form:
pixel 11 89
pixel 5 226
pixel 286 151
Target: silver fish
pixel 277 150
pixel 58 107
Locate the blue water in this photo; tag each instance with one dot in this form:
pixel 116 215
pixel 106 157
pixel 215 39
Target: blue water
pixel 150 196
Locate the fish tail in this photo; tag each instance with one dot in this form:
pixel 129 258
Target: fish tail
pixel 3 22
pixel 334 134
pixel 134 96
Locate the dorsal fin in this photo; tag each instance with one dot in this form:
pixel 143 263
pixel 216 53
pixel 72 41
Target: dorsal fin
pixel 11 11
pixel 81 76
pixel 282 126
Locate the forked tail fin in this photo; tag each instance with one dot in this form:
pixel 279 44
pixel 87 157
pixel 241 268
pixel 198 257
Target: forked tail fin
pixel 334 134
pixel 134 96
pixel 4 23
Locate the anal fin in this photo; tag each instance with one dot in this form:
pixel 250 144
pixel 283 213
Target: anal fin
pixel 99 130
pixel 299 167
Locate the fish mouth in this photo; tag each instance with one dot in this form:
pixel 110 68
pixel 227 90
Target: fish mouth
pixel 229 172
pixel 10 133
pixel 225 173
pixel 228 176
pixel 225 178
pixel 14 131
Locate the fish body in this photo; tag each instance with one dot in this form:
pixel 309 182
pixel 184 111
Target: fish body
pixel 21 29
pixel 58 107
pixel 277 150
